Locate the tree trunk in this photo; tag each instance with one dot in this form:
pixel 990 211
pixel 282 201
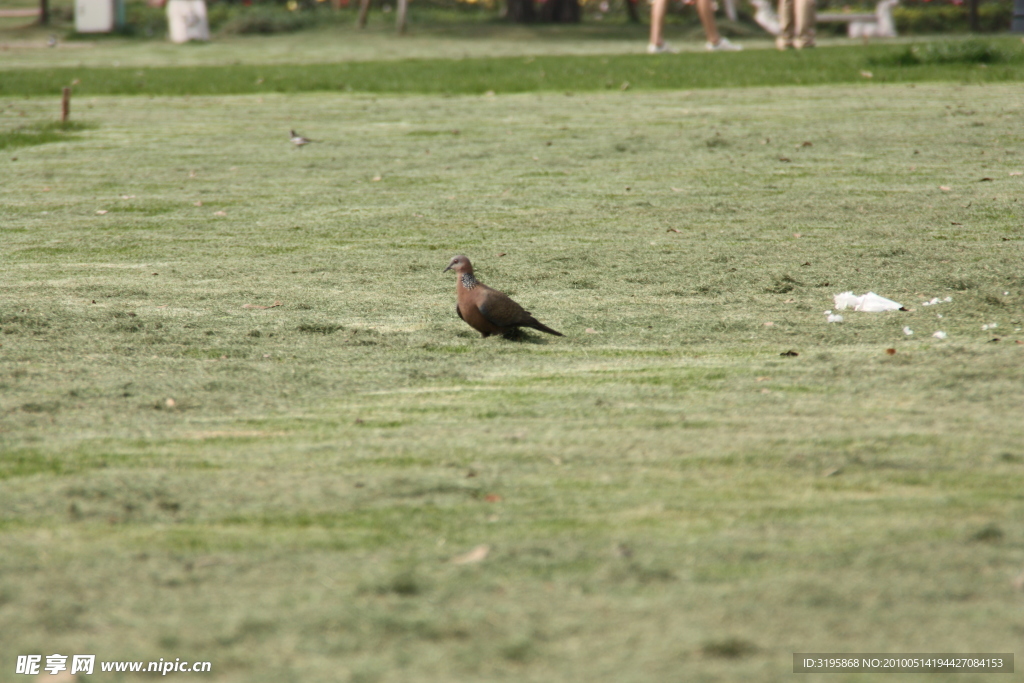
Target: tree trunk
pixel 403 8
pixel 520 11
pixel 634 16
pixel 561 11
pixel 972 14
pixel 364 9
pixel 44 12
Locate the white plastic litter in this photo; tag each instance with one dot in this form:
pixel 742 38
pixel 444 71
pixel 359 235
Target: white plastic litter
pixel 937 300
pixel 940 335
pixel 870 302
pixel 907 331
pixel 835 318
pixel 990 326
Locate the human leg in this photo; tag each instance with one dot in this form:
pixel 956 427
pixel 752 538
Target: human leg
pixel 786 25
pixel 706 12
pixel 658 8
pixel 806 17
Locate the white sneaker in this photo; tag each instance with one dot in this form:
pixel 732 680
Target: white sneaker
pixel 653 49
pixel 723 45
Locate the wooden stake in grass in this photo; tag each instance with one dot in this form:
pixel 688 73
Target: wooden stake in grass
pixel 65 104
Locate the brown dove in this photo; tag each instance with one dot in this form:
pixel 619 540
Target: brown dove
pixel 487 310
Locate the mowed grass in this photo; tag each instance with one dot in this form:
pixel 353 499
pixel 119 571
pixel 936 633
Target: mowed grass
pixel 662 494
pixel 989 61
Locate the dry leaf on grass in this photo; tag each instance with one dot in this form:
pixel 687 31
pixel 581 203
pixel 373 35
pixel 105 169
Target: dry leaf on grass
pixel 220 213
pixel 590 330
pixel 101 212
pixel 477 554
pixel 891 352
pixel 492 498
pixel 945 188
pixel 257 306
pixel 673 230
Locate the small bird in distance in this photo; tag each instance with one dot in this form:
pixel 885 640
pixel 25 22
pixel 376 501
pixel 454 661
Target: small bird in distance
pixel 300 140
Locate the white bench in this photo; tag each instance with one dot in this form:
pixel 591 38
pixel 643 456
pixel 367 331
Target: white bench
pixel 860 25
pixel 877 25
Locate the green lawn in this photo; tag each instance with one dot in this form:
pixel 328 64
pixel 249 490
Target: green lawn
pixel 972 61
pixel 290 492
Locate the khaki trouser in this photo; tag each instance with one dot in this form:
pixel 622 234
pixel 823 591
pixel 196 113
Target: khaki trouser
pixel 796 21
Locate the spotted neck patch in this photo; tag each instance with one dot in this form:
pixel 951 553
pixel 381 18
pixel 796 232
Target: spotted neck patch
pixel 468 281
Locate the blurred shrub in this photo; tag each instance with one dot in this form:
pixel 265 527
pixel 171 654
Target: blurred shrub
pixel 961 52
pixel 240 17
pixel 143 20
pixel 260 19
pixel 919 17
